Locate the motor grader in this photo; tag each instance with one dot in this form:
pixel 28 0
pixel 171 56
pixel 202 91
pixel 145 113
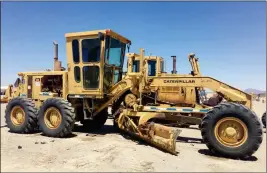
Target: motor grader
pixel 4 97
pixel 146 102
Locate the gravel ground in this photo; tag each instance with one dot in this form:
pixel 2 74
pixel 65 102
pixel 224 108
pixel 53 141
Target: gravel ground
pixel 109 151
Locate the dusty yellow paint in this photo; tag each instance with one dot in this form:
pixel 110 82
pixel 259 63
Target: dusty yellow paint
pixel 170 89
pixel 231 132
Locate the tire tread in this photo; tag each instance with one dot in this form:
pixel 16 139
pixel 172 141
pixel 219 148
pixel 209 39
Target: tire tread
pixel 253 120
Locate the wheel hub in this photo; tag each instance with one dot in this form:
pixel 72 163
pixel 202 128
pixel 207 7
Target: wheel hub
pixel 17 116
pixel 231 132
pixel 52 118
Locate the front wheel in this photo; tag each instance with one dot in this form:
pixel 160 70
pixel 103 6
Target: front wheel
pixel 232 130
pixel 56 117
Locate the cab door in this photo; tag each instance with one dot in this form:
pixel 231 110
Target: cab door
pixel 84 66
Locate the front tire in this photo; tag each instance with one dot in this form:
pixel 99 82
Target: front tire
pixel 21 115
pixel 56 118
pixel 232 130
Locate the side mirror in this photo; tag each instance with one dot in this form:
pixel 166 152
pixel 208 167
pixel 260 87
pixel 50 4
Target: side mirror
pixel 101 36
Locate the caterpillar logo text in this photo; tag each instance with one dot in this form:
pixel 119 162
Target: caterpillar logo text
pixel 179 81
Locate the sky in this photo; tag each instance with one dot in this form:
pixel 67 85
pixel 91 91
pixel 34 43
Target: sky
pixel 229 38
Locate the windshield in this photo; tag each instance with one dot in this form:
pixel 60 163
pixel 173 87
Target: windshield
pixel 115 50
pixel 91 50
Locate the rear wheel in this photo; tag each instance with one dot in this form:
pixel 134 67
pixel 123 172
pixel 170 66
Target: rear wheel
pixel 232 130
pixel 21 115
pixel 56 117
pixel 263 119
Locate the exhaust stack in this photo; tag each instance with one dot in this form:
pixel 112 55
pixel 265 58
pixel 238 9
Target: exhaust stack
pixel 57 64
pixel 174 65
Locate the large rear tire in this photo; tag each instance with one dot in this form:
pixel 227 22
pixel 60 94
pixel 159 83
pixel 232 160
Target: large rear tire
pixel 98 122
pixel 21 115
pixel 56 118
pixel 232 130
pixel 263 119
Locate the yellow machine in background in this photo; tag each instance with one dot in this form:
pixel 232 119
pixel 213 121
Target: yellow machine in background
pixel 4 98
pixel 146 102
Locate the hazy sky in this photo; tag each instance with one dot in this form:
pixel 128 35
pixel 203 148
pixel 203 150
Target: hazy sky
pixel 228 37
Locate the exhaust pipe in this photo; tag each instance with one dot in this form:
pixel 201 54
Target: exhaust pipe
pixel 57 64
pixel 174 64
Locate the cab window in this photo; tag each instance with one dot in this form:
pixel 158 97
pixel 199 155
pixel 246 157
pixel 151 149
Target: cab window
pixel 117 76
pixel 162 66
pixel 90 77
pixel 91 50
pixel 77 74
pixel 151 68
pixel 136 66
pixel 75 51
pixel 115 51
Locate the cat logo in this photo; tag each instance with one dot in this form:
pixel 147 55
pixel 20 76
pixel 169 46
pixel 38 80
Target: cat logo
pixel 179 81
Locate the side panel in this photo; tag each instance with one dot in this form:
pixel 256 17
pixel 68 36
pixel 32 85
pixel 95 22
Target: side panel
pixel 44 85
pixel 230 93
pixel 65 85
pixel 29 86
pixel 36 86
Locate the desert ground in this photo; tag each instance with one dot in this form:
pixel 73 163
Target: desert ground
pixel 110 151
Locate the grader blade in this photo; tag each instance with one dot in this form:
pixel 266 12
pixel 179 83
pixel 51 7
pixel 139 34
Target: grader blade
pixel 161 136
pixel 157 135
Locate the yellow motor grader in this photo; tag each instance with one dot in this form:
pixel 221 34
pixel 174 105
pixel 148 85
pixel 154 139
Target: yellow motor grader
pixel 4 98
pixel 146 102
pixel 226 119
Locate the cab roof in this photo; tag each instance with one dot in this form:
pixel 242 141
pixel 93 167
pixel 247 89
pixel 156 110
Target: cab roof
pixel 95 32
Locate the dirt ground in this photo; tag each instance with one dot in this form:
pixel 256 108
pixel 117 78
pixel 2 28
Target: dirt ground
pixel 109 151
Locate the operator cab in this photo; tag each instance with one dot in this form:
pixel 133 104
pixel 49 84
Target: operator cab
pixel 95 61
pixel 153 64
